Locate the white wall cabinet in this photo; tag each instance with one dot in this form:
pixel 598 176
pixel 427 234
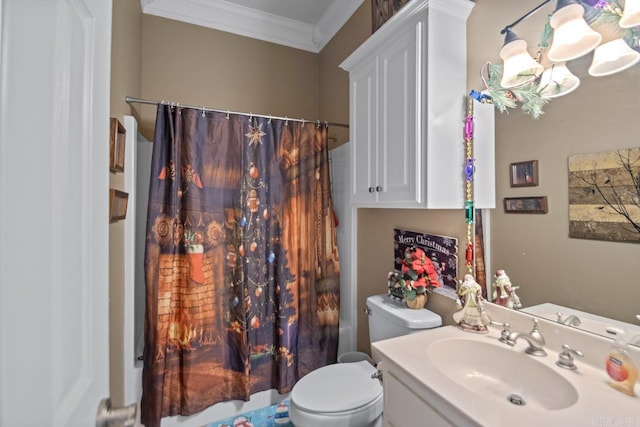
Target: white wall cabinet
pixel 407 109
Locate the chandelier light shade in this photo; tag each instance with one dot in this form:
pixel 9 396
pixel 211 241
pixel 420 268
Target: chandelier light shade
pixel 631 14
pixel 613 57
pixel 572 36
pixel 518 66
pixel 568 36
pixel 557 80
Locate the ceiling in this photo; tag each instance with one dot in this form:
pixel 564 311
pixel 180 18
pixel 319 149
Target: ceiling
pixel 301 24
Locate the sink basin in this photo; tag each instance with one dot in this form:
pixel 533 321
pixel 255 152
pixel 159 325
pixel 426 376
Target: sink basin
pixel 500 371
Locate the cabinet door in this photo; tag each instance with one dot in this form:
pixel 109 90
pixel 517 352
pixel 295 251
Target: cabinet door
pixel 399 140
pixel 364 110
pixel 403 407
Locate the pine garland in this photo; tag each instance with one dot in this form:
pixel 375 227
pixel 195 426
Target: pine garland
pixel 503 99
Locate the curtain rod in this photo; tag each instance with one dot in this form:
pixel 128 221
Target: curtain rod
pixel 130 100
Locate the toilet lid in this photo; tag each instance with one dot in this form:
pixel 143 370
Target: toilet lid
pixel 337 388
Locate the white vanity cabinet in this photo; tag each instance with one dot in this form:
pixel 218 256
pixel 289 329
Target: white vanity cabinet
pixel 407 109
pixel 409 403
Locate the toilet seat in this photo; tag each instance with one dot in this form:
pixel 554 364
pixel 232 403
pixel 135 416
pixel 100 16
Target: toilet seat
pixel 337 388
pixel 333 393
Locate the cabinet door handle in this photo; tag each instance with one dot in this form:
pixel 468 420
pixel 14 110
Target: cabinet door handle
pixel 371 189
pixel 378 189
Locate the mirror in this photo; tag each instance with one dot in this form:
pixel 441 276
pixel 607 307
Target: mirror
pixel 593 276
pixel 604 326
pixel 504 293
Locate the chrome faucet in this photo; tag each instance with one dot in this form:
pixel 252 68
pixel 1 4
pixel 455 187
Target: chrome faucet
pixel 534 338
pixel 571 320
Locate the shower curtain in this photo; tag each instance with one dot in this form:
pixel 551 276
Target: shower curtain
pixel 241 262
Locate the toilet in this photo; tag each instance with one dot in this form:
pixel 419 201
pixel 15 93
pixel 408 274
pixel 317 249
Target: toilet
pixel 345 394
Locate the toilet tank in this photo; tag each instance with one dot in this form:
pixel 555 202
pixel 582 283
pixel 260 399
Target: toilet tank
pixel 389 318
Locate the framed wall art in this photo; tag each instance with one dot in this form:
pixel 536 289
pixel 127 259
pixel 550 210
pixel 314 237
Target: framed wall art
pixel 381 11
pixel 532 205
pixel 397 4
pixel 524 174
pixel 117 139
pixel 118 201
pixel 603 195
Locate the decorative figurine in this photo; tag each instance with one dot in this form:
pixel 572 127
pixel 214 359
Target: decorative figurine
pixel 471 316
pixel 504 293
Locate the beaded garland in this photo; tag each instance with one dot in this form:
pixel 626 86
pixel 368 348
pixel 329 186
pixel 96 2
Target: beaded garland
pixel 469 170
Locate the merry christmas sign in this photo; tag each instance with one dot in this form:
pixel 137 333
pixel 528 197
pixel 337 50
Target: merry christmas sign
pixel 441 250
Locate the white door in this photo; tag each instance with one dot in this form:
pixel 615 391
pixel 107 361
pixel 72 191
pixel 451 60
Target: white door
pixel 54 181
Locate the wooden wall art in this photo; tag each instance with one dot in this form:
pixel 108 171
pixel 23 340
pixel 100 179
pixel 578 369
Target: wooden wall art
pixel 604 195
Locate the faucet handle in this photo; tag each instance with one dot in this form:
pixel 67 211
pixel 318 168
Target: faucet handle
pixel 535 324
pixel 565 358
pixel 506 330
pixel 559 318
pixel 504 334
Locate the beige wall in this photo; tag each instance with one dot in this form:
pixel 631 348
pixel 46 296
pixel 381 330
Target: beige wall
pixel 194 65
pixel 125 80
pixel 199 66
pixel 334 81
pixel 375 253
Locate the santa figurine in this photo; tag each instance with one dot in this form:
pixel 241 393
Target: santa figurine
pixel 504 293
pixel 471 316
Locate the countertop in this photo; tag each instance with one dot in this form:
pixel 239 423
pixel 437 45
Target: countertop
pixel 598 404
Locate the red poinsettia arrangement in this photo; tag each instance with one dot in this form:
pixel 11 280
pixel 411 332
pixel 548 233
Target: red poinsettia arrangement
pixel 417 275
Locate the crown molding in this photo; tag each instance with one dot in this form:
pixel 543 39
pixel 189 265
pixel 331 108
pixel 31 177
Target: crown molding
pixel 225 16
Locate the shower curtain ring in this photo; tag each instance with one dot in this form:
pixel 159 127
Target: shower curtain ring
pixel 227 114
pixel 318 124
pixel 203 111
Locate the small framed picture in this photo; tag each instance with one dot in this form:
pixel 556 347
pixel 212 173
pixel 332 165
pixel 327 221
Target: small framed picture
pixel 118 201
pixel 524 174
pixel 533 205
pixel 117 139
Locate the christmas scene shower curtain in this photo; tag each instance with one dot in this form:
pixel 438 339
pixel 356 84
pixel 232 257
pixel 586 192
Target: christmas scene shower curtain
pixel 241 263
